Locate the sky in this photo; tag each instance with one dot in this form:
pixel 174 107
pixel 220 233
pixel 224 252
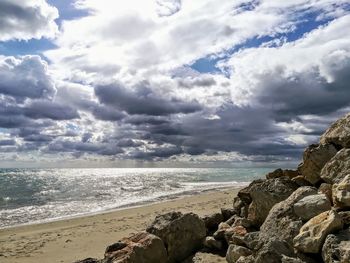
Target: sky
pixel 138 83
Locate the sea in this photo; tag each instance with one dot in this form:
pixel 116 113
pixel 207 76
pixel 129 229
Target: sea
pixel 30 196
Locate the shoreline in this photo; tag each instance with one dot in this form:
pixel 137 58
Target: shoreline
pixel 155 200
pixel 79 237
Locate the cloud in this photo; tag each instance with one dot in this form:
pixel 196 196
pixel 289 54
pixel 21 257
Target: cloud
pixel 25 77
pixel 168 7
pixel 142 101
pixel 23 20
pixel 50 110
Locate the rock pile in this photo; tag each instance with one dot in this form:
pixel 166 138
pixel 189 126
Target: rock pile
pixel 292 216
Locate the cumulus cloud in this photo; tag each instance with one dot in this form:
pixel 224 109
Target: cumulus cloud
pixel 25 77
pixel 143 101
pixel 23 20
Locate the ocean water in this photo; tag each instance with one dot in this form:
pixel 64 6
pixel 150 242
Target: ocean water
pixel 40 195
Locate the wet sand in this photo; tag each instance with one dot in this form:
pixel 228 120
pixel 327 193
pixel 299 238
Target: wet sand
pixel 78 238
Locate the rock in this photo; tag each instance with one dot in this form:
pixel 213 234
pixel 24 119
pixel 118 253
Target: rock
pixel 249 259
pixel 212 243
pixel 182 234
pixel 232 220
pixel 290 173
pixel 251 240
pixel 336 248
pixel 314 159
pixel 311 206
pixel 238 204
pixel 244 194
pixel 337 168
pixel 89 260
pixel 220 233
pixel 240 221
pixel 142 247
pixel 202 257
pixel 301 181
pixel 234 252
pixel 265 195
pixel 282 224
pixel 345 215
pixel 326 189
pixel 286 259
pixel 275 174
pixel 341 193
pixel 339 133
pixel 212 221
pixel 273 252
pixel 312 235
pixel 227 213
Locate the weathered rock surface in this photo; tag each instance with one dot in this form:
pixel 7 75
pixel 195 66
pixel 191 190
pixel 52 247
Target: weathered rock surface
pixel 89 260
pixel 282 223
pixel 311 206
pixel 234 252
pixel 265 195
pixel 345 215
pixel 142 247
pixel 314 159
pixel 272 252
pixel 182 234
pixel 220 233
pixel 341 193
pixel 202 257
pixel 301 181
pixel 326 189
pixel 275 174
pixel 339 133
pixel 313 233
pixel 336 248
pixel 213 244
pixel 337 168
pixel 212 221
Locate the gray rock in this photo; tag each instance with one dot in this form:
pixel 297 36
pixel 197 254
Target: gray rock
pixel 339 133
pixel 265 195
pixel 341 193
pixel 312 235
pixel 337 168
pixel 182 234
pixel 314 159
pixel 251 240
pixel 213 244
pixel 282 223
pixel 212 221
pixel 220 233
pixel 311 206
pixel 234 252
pixel 336 248
pixel 286 259
pixel 301 181
pixel 227 213
pixel 345 215
pixel 275 174
pixel 142 247
pixel 89 260
pixel 249 259
pixel 273 252
pixel 203 257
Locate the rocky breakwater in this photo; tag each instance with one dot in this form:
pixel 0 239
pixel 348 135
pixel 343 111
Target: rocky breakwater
pixel 292 216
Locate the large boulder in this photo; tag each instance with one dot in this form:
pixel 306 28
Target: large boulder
pixel 312 235
pixel 265 195
pixel 212 221
pixel 336 248
pixel 341 193
pixel 339 133
pixel 282 223
pixel 182 234
pixel 337 168
pixel 142 247
pixel 311 206
pixel 203 257
pixel 314 158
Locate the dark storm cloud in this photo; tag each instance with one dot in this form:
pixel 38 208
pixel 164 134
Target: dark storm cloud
pixel 26 77
pixel 51 110
pixel 303 93
pixel 146 120
pixel 104 113
pixel 8 142
pixel 142 101
pixel 163 152
pixel 22 20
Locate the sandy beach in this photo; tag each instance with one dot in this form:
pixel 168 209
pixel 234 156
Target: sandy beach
pixel 78 238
